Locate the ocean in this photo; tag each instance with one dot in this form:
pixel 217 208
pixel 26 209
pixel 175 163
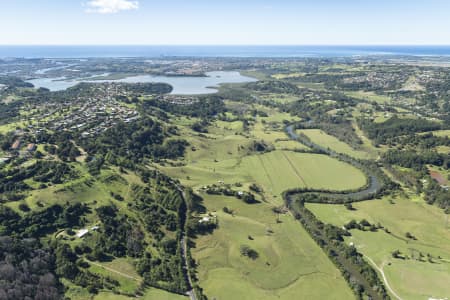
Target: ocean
pixel 217 51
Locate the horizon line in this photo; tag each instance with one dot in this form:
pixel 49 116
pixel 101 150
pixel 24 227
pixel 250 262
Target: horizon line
pixel 224 45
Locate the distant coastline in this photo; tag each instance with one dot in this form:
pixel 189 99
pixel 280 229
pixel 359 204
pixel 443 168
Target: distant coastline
pixel 218 51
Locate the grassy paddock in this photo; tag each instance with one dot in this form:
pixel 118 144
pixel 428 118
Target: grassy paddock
pixel 411 278
pixel 282 170
pixel 150 294
pixel 370 96
pixel 121 270
pixel 276 171
pixel 325 140
pixel 290 265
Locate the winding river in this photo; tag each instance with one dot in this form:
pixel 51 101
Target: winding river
pixel 372 187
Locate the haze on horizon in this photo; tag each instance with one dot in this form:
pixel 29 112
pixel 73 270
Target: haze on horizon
pixel 232 22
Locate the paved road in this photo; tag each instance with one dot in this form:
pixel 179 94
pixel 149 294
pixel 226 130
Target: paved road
pixel 384 277
pixel 184 247
pixel 190 292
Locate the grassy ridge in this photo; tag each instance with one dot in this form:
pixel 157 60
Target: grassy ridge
pixel 284 248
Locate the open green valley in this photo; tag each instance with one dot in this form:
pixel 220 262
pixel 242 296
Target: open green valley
pixel 307 178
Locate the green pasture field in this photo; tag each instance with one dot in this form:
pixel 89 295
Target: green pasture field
pixel 415 277
pixel 150 294
pixel 370 96
pixel 86 189
pixel 290 265
pixel 282 170
pixel 277 138
pixel 325 140
pixel 441 133
pixel 119 269
pixel 285 76
pixel 275 171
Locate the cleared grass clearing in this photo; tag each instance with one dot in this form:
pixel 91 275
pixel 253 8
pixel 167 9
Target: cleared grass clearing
pixel 282 170
pixel 289 145
pixel 311 85
pixel 290 265
pixel 276 116
pixel 11 127
pixel 367 143
pixel 236 126
pixel 369 96
pixel 150 294
pixel 278 138
pixel 412 84
pixel 75 292
pixel 276 171
pixel 96 193
pixel 441 175
pixel 121 270
pixel 410 278
pixel 319 137
pixel 279 98
pixel 289 75
pixel 441 133
pixel 443 149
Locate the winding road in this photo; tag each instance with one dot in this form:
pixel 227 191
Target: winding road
pixel 184 248
pixel 384 277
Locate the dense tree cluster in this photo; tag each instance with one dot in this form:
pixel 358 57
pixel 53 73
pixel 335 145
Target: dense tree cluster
pixel 416 160
pixel 36 224
pixel 14 82
pixel 12 179
pixel 60 144
pixel 158 212
pixel 27 270
pixel 435 194
pixel 316 116
pixel 70 267
pixel 380 133
pixel 200 126
pixel 129 143
pixel 206 107
pixel 274 86
pixel 226 190
pixel 161 210
pixel 420 141
pixel 10 111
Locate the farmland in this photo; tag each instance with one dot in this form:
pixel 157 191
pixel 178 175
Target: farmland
pixel 219 261
pixel 321 138
pixel 137 193
pixel 282 170
pixel 414 276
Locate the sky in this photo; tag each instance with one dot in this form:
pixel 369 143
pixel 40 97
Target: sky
pixel 230 22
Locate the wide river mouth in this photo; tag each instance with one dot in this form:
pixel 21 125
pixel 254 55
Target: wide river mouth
pixel 182 85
